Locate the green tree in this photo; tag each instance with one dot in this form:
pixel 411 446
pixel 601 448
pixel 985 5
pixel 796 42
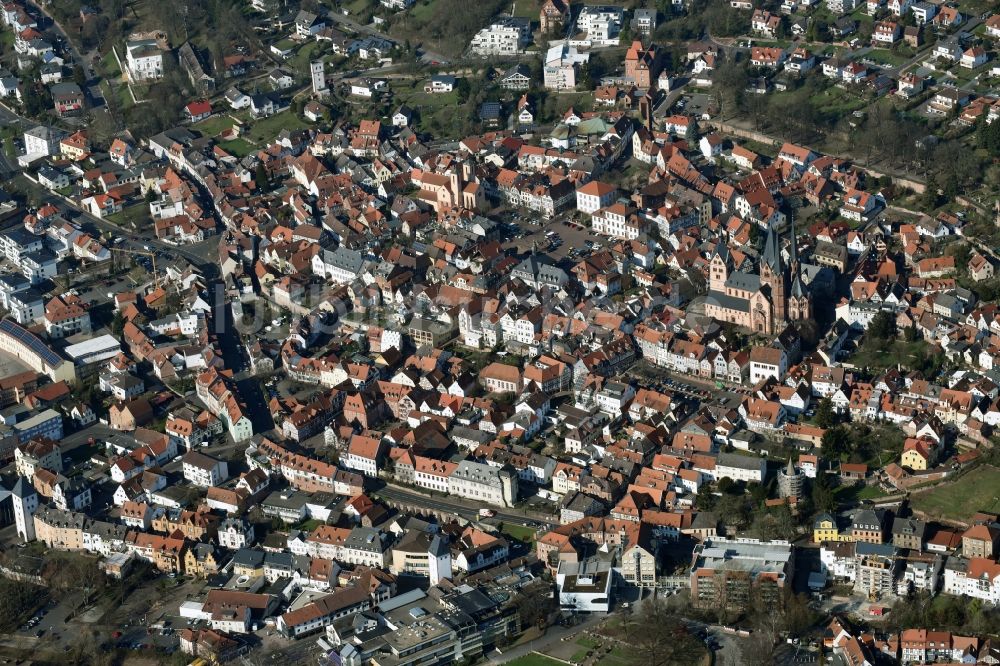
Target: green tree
pixel 261 178
pixel 823 497
pixel 836 443
pixel 80 76
pixel 929 198
pixel 882 326
pixel 825 416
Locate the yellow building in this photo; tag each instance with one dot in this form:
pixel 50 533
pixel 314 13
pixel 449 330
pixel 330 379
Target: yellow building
pixel 917 454
pixel 200 560
pixel 825 529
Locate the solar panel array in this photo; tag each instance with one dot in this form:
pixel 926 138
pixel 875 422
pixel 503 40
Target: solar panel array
pixel 31 341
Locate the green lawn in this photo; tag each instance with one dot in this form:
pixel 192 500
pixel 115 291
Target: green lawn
pixel 979 490
pixel 266 129
pixel 886 57
pixel 535 659
pixel 299 63
pixel 358 6
pixel 617 657
pixel 851 495
pixel 900 352
pixel 526 8
pixel 238 147
pixel 309 525
pixel 837 101
pixel 519 532
pixel 136 215
pixel 110 65
pixel 414 96
pixel 215 125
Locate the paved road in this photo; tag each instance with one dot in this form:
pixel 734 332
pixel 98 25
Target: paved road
pixel 70 44
pixel 451 505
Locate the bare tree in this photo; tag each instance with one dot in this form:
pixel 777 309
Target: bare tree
pixel 757 650
pixel 658 639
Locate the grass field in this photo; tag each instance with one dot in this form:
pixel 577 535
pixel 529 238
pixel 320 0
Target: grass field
pixel 900 352
pixel 214 125
pixel 238 147
pixel 299 62
pixel 837 101
pixel 266 129
pixel 412 94
pixel 525 8
pixel 886 57
pixel 110 65
pixel 979 490
pixel 519 532
pixel 586 644
pixel 535 659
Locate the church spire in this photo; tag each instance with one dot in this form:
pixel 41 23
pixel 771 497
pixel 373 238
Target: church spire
pixel 793 251
pixel 772 251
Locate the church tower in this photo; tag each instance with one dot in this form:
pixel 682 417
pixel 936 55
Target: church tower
pixel 799 306
pixel 772 273
pixel 718 270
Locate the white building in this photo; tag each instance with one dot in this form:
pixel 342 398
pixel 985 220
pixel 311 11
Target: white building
pixel 203 470
pixel 740 467
pixel 143 60
pixel 594 196
pixel 561 62
pixel 483 483
pixel 506 36
pixel 585 586
pixel 599 26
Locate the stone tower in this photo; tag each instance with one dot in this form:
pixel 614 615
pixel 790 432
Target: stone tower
pixel 25 505
pixel 438 559
pixel 508 479
pixel 317 70
pixel 790 482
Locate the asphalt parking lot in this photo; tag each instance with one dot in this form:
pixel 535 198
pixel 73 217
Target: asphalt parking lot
pixel 572 237
pixel 695 104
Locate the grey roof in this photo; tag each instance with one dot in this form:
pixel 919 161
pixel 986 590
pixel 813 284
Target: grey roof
pixel 540 270
pixel 739 461
pixel 345 259
pixel 908 526
pixel 724 300
pixel 248 557
pixel 66 89
pixel 881 549
pixel 519 68
pixel 743 281
pixel 798 288
pixel 772 251
pixel 23 488
pixel 366 539
pixel 46 133
pixel 21 236
pixel 438 547
pixel 13 282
